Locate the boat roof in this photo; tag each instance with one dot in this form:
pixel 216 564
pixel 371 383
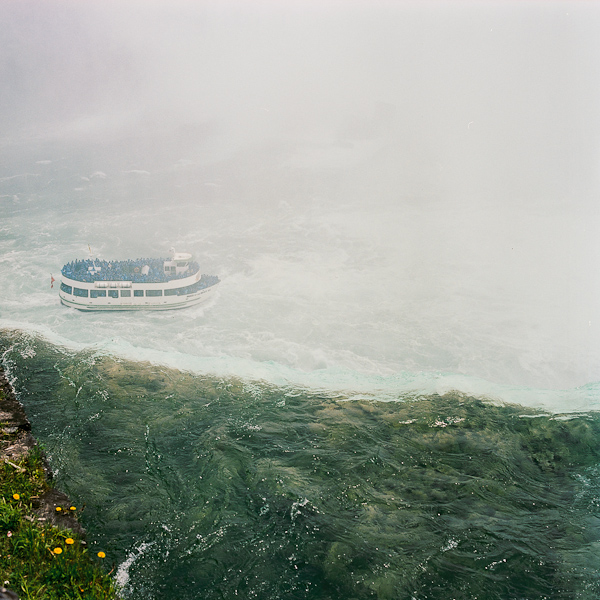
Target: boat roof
pixel 181 256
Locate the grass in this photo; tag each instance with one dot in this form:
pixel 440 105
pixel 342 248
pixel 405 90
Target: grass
pixel 37 560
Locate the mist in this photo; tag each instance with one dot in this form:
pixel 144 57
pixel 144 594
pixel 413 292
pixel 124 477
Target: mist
pixel 491 98
pixel 383 186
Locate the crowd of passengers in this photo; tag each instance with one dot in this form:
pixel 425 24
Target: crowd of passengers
pixel 91 270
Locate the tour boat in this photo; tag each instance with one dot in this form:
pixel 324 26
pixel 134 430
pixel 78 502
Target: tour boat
pixel 141 284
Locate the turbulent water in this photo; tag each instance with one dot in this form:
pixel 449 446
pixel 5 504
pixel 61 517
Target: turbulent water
pixel 330 427
pixel 208 487
pixel 394 392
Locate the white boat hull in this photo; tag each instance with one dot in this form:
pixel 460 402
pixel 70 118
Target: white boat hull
pixel 121 304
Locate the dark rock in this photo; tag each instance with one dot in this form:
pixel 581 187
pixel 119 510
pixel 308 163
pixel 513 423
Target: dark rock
pixel 14 422
pixel 64 518
pixel 12 413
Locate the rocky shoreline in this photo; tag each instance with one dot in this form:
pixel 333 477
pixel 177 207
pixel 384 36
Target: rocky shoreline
pixel 16 427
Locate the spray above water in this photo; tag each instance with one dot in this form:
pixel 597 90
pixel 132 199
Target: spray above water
pixel 394 390
pixel 371 207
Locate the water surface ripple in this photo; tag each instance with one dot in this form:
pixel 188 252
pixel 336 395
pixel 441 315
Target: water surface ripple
pixel 202 487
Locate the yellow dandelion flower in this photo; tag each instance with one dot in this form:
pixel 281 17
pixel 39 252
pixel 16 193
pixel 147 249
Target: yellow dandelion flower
pixel 57 550
pixel 101 555
pixel 58 509
pixel 69 541
pixel 72 508
pixel 16 496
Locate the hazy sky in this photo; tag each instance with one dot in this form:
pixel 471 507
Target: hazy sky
pixel 504 91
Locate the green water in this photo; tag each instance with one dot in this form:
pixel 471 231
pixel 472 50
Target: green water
pixel 198 487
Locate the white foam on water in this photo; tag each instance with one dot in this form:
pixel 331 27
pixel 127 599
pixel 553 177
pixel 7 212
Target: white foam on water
pixel 342 286
pixel 122 574
pixel 340 383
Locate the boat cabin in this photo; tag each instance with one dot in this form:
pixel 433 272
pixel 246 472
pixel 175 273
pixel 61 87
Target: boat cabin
pixel 179 263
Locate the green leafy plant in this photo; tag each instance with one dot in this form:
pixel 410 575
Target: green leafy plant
pixel 39 561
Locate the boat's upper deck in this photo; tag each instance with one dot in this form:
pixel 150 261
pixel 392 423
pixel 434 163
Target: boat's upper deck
pixel 141 270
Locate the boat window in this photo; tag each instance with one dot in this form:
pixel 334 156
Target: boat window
pixel 183 291
pixel 113 293
pixel 66 288
pixel 138 292
pixel 153 292
pixel 80 292
pixel 125 293
pixel 97 293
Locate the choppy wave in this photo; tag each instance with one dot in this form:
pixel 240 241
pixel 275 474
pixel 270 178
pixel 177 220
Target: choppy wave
pixel 318 280
pixel 211 486
pixel 336 381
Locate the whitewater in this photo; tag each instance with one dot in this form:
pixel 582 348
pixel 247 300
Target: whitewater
pixel 394 393
pixel 327 280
